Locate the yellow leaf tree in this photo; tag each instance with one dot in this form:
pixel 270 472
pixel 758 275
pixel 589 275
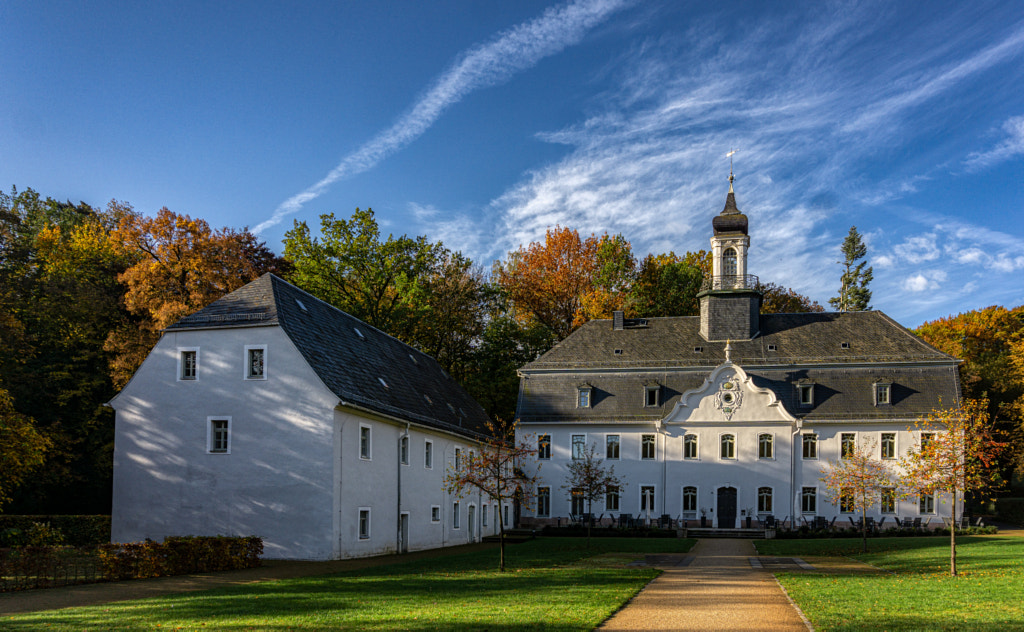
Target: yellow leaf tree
pixel 857 481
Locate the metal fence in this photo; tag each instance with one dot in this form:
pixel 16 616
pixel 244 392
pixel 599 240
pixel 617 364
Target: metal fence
pixel 24 568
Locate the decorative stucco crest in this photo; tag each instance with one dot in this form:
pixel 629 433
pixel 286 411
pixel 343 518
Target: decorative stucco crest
pixel 728 394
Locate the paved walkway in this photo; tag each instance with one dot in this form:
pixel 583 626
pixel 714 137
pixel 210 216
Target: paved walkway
pixel 718 590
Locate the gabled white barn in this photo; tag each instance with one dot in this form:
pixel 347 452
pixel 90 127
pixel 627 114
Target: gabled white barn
pixel 272 413
pixel 733 413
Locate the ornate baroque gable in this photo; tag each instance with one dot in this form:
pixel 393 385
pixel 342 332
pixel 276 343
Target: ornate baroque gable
pixel 729 395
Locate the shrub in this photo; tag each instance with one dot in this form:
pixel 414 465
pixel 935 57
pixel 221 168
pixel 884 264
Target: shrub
pixel 76 530
pixel 180 556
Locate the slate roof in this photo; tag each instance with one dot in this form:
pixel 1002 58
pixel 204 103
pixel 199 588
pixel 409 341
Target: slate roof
pixel 808 348
pixel 349 364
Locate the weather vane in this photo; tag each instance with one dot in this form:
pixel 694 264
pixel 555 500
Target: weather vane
pixel 730 163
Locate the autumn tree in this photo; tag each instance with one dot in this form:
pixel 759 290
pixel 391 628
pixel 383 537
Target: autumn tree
pixel 776 299
pixel 955 457
pixel 854 295
pixel 22 447
pixel 990 342
pixel 590 480
pixel 857 481
pixel 667 285
pixel 613 280
pixel 495 472
pixel 183 265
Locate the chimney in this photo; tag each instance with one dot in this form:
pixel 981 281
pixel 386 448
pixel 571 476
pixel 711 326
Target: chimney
pixel 618 320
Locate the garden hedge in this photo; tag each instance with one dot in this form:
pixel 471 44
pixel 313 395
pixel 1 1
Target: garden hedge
pixel 69 530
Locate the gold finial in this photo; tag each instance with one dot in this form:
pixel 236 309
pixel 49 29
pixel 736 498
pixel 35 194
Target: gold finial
pixel 728 350
pixel 731 177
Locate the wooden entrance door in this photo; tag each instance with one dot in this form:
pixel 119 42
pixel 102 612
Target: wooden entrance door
pixel 726 507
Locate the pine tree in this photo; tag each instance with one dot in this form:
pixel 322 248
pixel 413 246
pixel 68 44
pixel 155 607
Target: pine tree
pixel 854 295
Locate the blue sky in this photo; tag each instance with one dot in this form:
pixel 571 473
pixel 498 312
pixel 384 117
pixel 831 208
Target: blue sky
pixel 484 123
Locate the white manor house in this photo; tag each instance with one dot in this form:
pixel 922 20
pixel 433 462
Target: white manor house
pixel 733 413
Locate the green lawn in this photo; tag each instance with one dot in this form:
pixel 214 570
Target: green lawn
pixel 918 594
pixel 552 584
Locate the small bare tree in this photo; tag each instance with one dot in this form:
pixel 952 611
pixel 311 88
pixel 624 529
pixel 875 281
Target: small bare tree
pixel 860 480
pixel 590 480
pixel 495 473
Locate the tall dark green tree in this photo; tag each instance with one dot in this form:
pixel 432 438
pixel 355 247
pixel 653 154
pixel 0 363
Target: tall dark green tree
pixel 854 295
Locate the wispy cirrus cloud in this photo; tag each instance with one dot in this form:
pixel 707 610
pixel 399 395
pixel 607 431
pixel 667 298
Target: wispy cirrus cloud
pixel 1012 145
pixel 485 65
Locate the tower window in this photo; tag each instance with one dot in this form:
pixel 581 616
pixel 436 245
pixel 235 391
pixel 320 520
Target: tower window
pixel 729 262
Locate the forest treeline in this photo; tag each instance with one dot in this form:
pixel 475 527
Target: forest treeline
pixel 85 293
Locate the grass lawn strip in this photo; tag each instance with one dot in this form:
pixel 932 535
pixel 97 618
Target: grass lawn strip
pixel 920 594
pixel 554 584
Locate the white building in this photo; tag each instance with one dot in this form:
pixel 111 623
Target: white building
pixel 271 413
pixel 732 413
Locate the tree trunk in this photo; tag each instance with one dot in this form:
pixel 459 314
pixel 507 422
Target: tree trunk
pixel 501 523
pixel 589 518
pixel 864 527
pixel 952 539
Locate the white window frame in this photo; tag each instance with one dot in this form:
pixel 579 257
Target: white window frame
pixel 893 499
pixel 690 514
pixel 856 442
pixel 879 387
pixel 608 443
pixel 544 447
pixel 771 500
pixel 849 499
pixel 364 534
pixel 428 454
pixel 696 447
pixel 577 503
pixel 435 513
pixel 584 397
pixel 612 491
pixel 653 444
pixel 816 440
pixel 456 515
pixel 921 438
pixel 654 500
pixel 245 362
pixel 544 508
pixel 210 434
pixel 805 395
pixel 656 390
pixel 895 446
pixel 367 454
pixel 803 495
pixel 403 449
pixel 483 515
pixel 771 446
pixel 458 459
pixel 926 504
pixel 181 364
pixel 572 446
pixel 721 437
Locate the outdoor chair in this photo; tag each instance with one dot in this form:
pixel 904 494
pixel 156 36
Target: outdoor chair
pixel 769 522
pixel 625 520
pixel 665 522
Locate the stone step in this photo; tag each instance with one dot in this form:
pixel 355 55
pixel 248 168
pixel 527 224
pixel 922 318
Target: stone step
pixel 709 532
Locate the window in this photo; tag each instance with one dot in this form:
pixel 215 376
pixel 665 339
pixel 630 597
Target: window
pixel 888 445
pixel 455 515
pixel 219 438
pixel 458 460
pixel 926 503
pixel 647 446
pixel 364 523
pixel 188 364
pixel 651 393
pixel 435 513
pixel 690 446
pixel 647 499
pixel 583 398
pixel 483 514
pixel 926 438
pixel 728 446
pixel 888 500
pixel 847 444
pixel 544 447
pixel 882 394
pixel 729 262
pixel 496 516
pixel 428 455
pixel 578 502
pixel 765 446
pixel 612 447
pixel 810 446
pixel 690 500
pixel 364 442
pixel 846 502
pixel 806 393
pixel 543 501
pixel 579 444
pixel 255 359
pixel 809 500
pixel 506 515
pixel 764 500
pixel 611 499
pixel 403 450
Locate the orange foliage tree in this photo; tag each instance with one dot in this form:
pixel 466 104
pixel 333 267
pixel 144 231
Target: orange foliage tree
pixel 857 481
pixel 496 472
pixel 590 480
pixel 956 460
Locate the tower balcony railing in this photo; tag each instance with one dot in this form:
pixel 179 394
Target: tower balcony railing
pixel 730 282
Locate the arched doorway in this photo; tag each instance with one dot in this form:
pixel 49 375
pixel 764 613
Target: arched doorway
pixel 726 507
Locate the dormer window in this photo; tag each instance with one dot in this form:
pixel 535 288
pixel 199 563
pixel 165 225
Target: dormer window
pixel 806 394
pixel 583 397
pixel 883 394
pixel 652 395
pixel 772 348
pixel 844 345
pixel 698 349
pixel 729 262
